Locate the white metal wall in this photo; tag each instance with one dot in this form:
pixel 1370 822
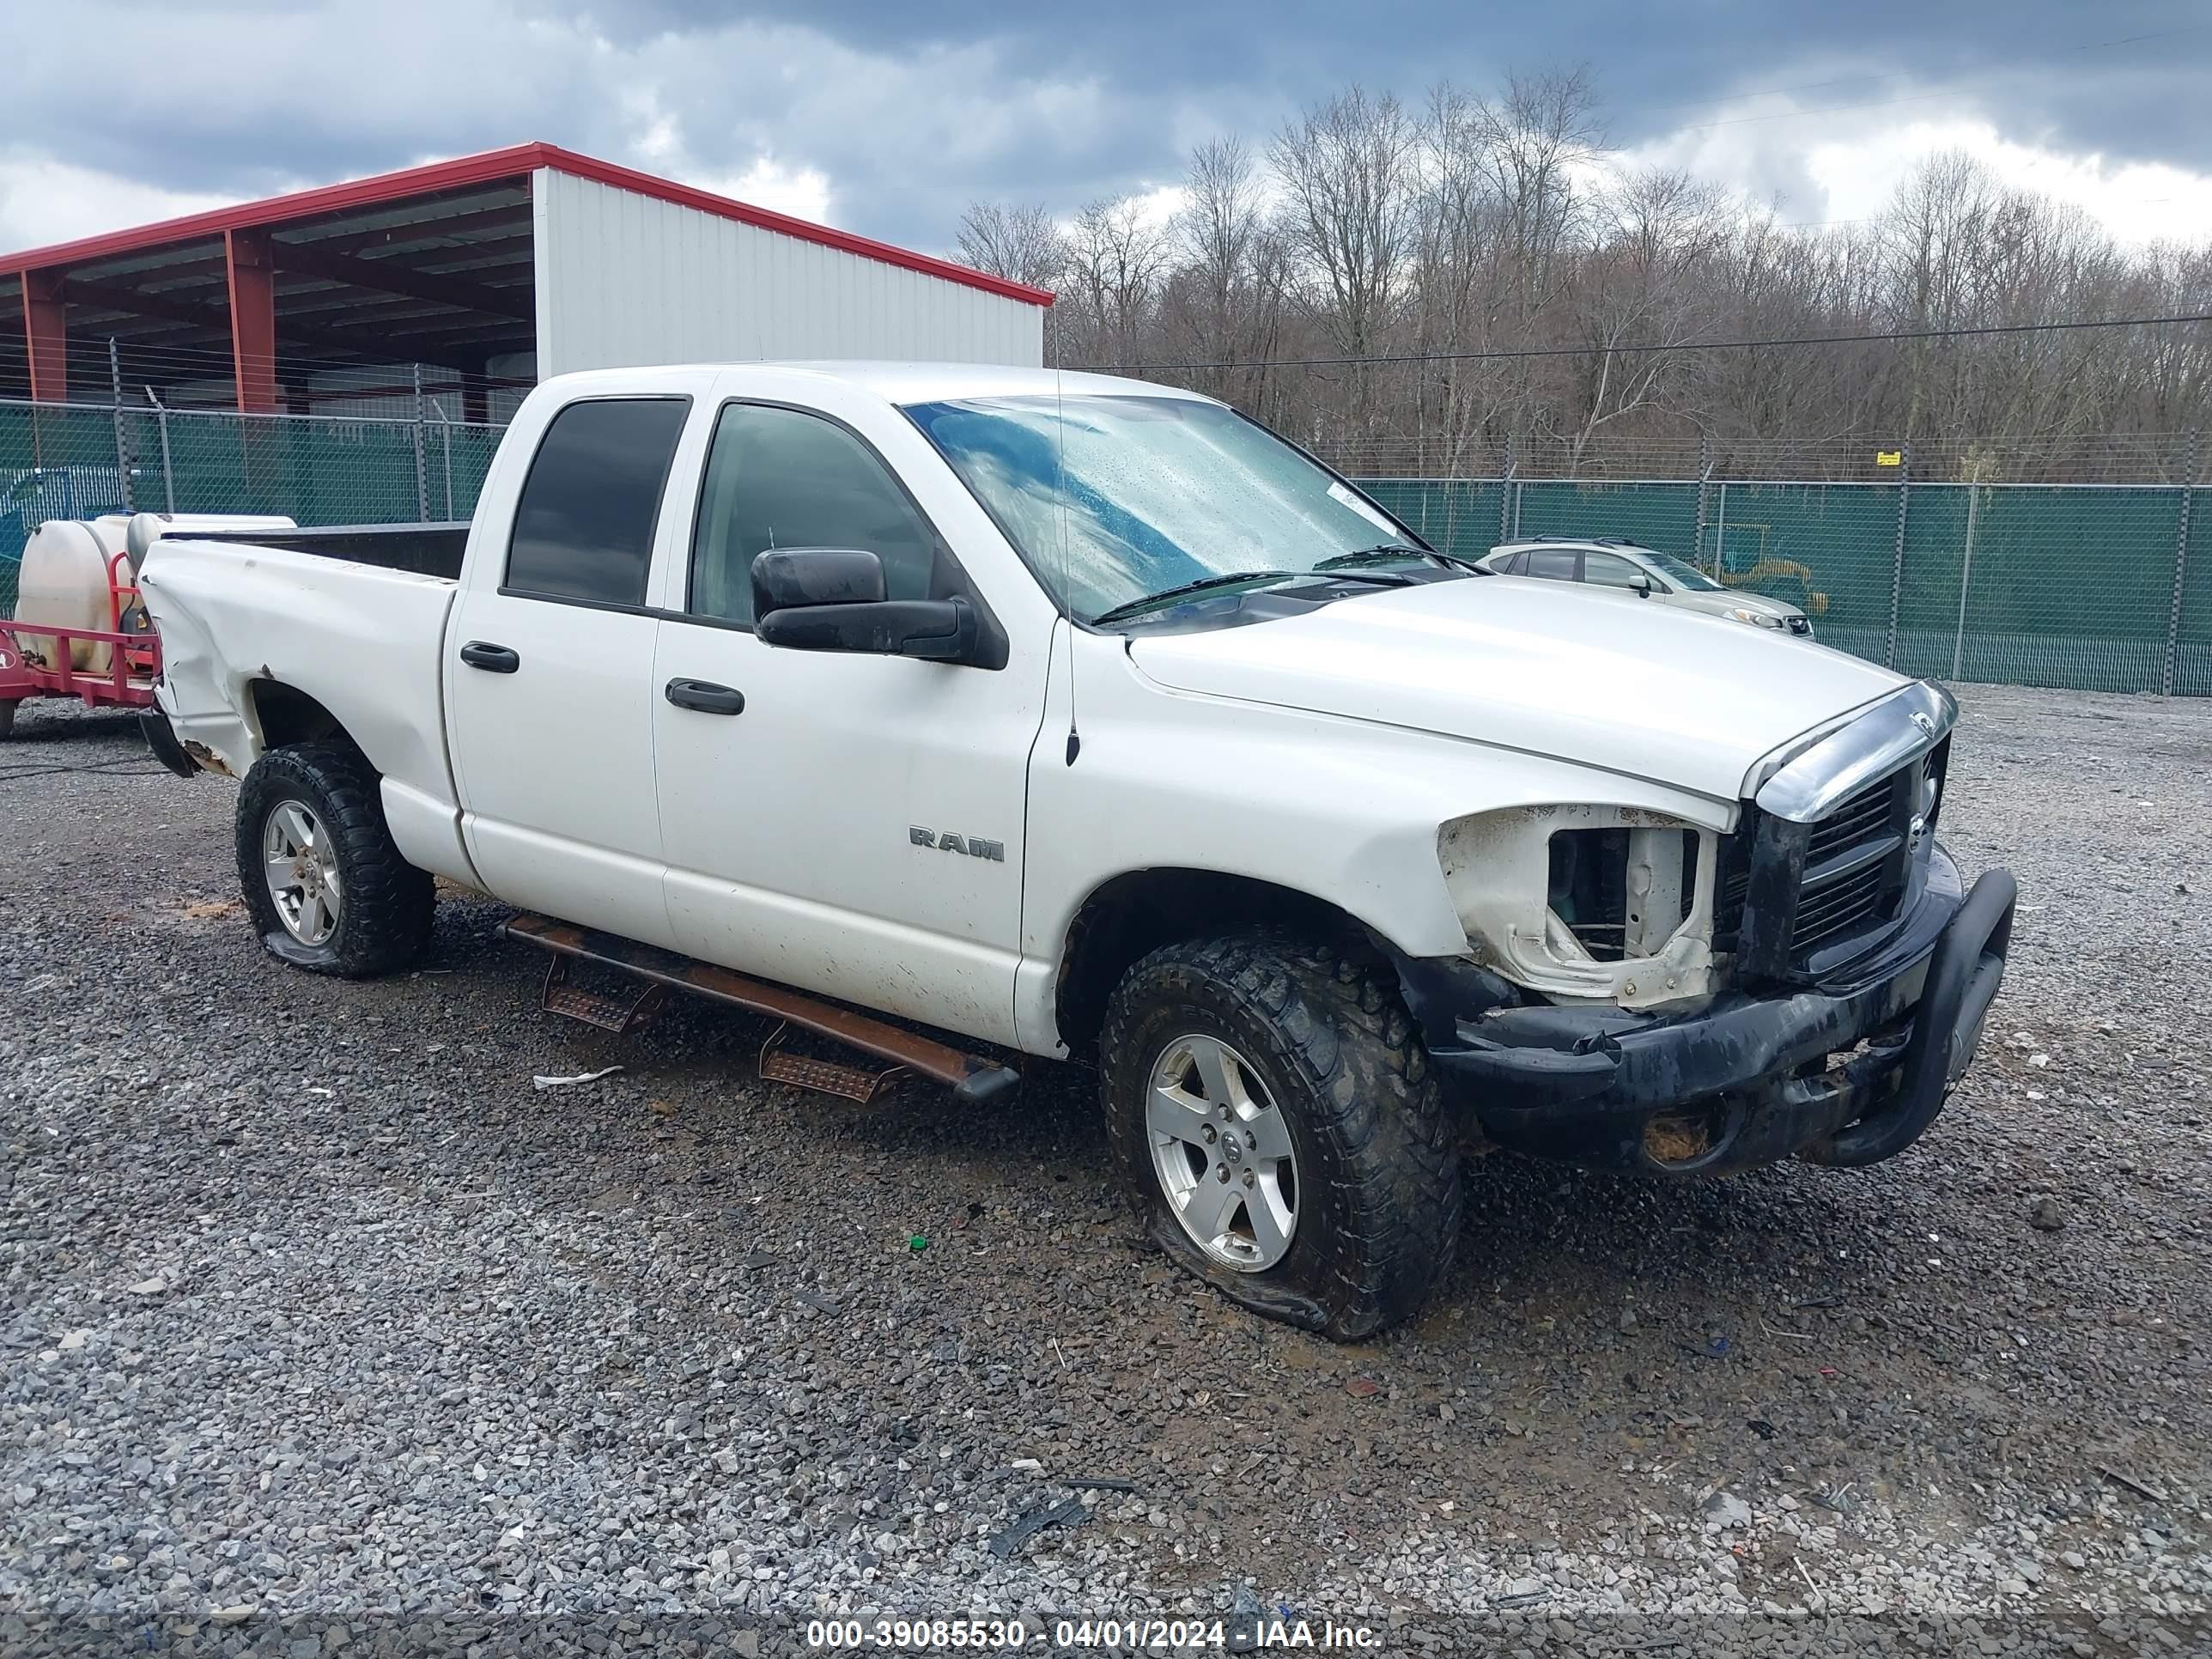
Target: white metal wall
pixel 624 279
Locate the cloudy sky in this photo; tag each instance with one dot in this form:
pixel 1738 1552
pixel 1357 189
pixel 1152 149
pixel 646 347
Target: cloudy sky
pixel 887 118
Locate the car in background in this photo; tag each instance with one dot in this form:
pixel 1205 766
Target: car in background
pixel 1611 561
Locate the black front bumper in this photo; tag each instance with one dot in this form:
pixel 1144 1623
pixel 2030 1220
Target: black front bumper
pixel 1741 1080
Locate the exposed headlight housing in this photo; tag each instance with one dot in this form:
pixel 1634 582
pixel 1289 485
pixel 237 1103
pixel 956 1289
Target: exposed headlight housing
pixel 1744 613
pixel 1587 904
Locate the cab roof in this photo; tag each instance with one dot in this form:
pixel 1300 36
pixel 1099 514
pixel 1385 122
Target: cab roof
pixel 897 382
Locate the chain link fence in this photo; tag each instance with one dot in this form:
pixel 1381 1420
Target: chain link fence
pixel 2090 586
pixel 78 461
pixel 2094 588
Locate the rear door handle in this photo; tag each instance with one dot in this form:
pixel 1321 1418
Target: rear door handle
pixel 492 658
pixel 706 696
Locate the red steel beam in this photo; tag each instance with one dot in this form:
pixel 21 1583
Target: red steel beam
pixel 45 331
pixel 253 318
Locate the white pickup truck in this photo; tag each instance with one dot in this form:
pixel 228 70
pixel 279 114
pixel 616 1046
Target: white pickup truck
pixel 1084 718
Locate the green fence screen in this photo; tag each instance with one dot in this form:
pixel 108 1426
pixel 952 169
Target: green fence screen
pixel 2102 587
pixel 73 462
pixel 2093 587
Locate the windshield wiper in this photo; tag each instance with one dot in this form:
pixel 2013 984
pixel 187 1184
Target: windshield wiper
pixel 1389 551
pixel 1169 595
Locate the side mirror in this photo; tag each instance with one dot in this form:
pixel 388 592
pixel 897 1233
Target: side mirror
pixel 1643 586
pixel 787 577
pixel 831 598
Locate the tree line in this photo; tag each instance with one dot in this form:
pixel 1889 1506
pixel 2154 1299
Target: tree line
pixel 1366 229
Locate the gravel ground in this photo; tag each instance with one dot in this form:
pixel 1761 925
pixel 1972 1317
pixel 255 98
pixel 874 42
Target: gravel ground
pixel 321 1323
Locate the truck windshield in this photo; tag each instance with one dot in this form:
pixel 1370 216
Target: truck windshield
pixel 1151 494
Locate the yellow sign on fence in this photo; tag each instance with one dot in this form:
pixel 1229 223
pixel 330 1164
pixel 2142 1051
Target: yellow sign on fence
pixel 1889 457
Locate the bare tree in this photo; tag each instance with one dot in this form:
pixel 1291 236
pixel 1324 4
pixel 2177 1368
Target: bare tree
pixel 1346 169
pixel 1224 300
pixel 1540 138
pixel 1117 254
pixel 1019 243
pixel 1502 279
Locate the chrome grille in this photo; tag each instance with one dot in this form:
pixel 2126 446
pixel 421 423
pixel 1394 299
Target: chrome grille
pixel 1813 886
pixel 1854 866
pixel 1840 909
pixel 1865 814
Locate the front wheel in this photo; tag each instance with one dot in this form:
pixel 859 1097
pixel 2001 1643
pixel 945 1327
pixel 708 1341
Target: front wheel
pixel 326 887
pixel 1279 1130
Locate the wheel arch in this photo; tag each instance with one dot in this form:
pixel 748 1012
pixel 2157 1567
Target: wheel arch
pixel 1127 916
pixel 284 716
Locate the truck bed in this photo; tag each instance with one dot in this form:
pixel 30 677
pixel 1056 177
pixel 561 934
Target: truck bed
pixel 346 618
pixel 420 549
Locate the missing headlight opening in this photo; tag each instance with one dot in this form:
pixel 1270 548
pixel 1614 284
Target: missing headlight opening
pixel 1622 892
pixel 1587 902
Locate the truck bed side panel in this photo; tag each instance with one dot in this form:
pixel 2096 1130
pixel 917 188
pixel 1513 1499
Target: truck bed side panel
pixel 362 642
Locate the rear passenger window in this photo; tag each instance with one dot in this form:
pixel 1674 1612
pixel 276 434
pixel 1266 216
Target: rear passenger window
pixel 778 477
pixel 1555 564
pixel 583 529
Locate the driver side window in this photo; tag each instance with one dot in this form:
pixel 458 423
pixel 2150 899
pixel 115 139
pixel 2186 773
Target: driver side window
pixel 1611 570
pixel 782 478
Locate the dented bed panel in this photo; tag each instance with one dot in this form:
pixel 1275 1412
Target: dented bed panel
pixel 362 642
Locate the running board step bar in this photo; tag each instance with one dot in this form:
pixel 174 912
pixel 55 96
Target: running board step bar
pixel 825 1077
pixel 620 1014
pixel 970 1077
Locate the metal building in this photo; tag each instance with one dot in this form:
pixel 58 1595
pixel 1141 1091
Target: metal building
pixel 487 272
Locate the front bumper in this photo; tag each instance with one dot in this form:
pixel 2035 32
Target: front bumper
pixel 1847 1077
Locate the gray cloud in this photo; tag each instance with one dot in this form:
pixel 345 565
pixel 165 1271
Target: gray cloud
pixel 912 110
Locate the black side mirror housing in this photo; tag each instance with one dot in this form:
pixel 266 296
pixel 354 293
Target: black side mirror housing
pixel 784 577
pixel 831 598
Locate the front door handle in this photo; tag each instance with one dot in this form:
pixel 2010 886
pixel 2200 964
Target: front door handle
pixel 492 658
pixel 706 696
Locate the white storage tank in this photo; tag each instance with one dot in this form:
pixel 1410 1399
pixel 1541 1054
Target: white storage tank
pixel 64 579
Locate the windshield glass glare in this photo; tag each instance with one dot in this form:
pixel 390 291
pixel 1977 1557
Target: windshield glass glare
pixel 1683 575
pixel 1160 492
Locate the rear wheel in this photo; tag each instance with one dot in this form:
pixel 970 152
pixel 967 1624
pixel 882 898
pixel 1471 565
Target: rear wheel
pixel 1279 1131
pixel 327 890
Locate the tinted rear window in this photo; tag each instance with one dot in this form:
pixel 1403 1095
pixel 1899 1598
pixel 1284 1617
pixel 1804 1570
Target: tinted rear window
pixel 583 529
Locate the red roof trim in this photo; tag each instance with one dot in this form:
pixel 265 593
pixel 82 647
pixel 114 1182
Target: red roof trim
pixel 516 162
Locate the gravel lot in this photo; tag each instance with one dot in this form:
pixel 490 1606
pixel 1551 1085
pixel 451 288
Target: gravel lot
pixel 320 1322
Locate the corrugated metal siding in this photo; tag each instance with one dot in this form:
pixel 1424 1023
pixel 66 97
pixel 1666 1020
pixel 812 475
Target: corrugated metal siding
pixel 624 279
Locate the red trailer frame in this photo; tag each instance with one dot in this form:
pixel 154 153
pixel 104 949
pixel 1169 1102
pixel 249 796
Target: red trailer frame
pixel 134 663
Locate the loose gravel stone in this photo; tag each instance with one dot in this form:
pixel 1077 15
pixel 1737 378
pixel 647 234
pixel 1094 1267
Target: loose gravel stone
pixel 319 1318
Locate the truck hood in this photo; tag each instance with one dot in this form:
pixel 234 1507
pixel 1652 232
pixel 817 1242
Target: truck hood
pixel 1682 699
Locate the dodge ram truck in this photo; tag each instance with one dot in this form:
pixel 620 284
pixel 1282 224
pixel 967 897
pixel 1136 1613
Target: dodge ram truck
pixel 1065 716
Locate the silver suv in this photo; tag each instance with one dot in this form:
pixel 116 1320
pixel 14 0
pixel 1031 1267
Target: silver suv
pixel 1609 562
